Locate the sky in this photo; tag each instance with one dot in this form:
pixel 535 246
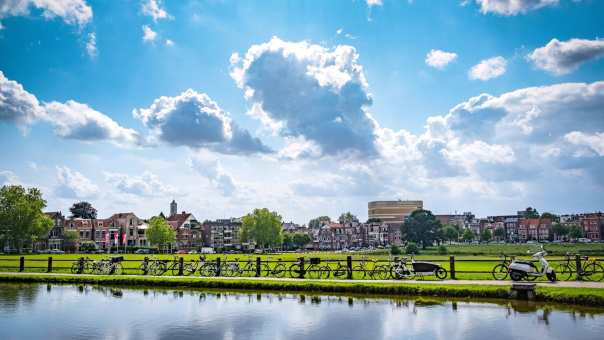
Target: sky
pixel 307 108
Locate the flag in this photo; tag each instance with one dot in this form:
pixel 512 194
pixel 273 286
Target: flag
pixel 107 238
pixel 115 237
pixel 124 238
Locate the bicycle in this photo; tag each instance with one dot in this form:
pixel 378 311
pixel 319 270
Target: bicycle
pixel 341 270
pixel 566 269
pixel 314 270
pixel 590 269
pixel 379 272
pixel 277 271
pixel 399 270
pixel 110 266
pixel 501 270
pixel 159 267
pixel 189 268
pixel 81 265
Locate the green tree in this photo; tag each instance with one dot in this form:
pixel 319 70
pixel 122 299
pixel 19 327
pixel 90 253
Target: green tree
pixel 575 232
pixel 395 250
pixel 468 235
pixel 288 241
pixel 347 217
pixel 499 233
pixel 160 233
pixel 421 227
pixel 560 230
pixel 21 217
pixel 531 213
pixel 70 238
pixel 450 233
pixel 486 235
pixel 319 222
pixel 262 226
pixel 87 246
pixel 550 216
pixel 300 240
pixel 83 210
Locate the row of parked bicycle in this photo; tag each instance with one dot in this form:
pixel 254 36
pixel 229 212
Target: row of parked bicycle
pixel 404 268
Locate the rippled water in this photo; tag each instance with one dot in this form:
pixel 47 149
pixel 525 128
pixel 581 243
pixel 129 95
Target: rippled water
pixel 88 312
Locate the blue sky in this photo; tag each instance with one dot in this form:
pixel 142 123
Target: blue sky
pixel 307 108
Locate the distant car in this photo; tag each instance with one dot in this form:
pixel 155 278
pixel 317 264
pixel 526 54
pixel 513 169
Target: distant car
pixel 193 251
pixel 584 240
pixel 531 242
pixel 142 251
pixel 56 251
pixel 182 251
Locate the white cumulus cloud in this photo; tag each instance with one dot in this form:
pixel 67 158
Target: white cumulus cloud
pixel 513 7
pixel 594 141
pixel 209 167
pixel 72 184
pixel 193 119
pixel 146 185
pixel 74 12
pixel 91 45
pixel 562 57
pixel 488 69
pixel 439 59
pixel 149 35
pixel 154 9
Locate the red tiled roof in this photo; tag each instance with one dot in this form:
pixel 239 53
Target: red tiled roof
pixel 177 220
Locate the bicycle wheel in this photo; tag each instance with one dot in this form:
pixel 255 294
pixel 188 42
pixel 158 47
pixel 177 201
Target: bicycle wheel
pixel 360 271
pixel 593 272
pixel 441 273
pixel 158 268
pixel 176 268
pixel 116 269
pixel 395 273
pixel 249 270
pixel 340 271
pixel 500 272
pixel 564 272
pixel 279 270
pixel 294 271
pixel 207 269
pixel 76 268
pixel 189 268
pixel 381 272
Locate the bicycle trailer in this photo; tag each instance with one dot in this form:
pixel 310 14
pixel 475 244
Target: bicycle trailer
pixel 117 259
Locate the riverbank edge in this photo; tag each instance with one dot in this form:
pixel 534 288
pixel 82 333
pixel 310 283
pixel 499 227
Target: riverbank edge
pixel 593 297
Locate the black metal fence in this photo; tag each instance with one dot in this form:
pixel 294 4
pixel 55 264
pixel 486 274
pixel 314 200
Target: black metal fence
pixel 312 268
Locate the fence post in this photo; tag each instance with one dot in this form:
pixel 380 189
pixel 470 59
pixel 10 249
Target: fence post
pixel 258 266
pixel 49 270
pixel 218 266
pixel 349 267
pixel 302 270
pixel 181 262
pixel 578 265
pixel 21 263
pixel 452 266
pixel 146 266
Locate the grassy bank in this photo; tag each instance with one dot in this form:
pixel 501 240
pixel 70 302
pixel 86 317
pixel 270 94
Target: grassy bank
pixel 469 267
pixel 581 296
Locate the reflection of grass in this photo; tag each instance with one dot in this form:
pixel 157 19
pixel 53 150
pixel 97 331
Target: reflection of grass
pixel 584 296
pixel 62 263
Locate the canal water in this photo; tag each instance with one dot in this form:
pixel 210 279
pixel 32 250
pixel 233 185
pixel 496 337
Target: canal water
pixel 29 311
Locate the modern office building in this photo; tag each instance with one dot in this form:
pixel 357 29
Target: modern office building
pixel 392 211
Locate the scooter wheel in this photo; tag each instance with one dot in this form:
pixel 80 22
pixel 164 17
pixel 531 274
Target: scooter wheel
pixel 551 276
pixel 516 276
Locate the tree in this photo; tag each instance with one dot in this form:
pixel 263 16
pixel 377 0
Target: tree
pixel 560 230
pixel 83 210
pixel 288 241
pixel 262 226
pixel 300 240
pixel 21 217
pixel 468 235
pixel 575 232
pixel 70 238
pixel 486 235
pixel 499 233
pixel 450 233
pixel 550 216
pixel 531 213
pixel 421 227
pixel 87 246
pixel 347 217
pixel 318 222
pixel 159 232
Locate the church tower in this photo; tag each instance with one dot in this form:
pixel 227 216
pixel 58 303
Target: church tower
pixel 173 208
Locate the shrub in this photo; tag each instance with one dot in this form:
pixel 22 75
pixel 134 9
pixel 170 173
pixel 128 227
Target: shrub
pixel 394 250
pixel 442 250
pixel 412 248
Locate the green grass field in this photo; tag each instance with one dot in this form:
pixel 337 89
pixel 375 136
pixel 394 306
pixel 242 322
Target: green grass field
pixel 474 267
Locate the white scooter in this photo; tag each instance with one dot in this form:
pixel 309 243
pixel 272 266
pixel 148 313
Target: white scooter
pixel 527 270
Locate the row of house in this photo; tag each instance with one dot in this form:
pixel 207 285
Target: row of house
pixel 521 228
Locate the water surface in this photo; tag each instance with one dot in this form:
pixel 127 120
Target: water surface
pixel 90 312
